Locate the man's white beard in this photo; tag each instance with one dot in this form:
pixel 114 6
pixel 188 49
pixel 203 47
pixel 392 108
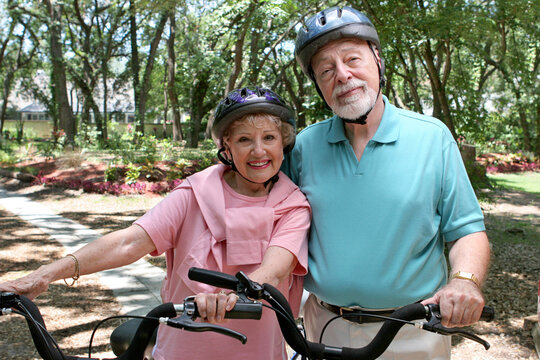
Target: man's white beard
pixel 355 106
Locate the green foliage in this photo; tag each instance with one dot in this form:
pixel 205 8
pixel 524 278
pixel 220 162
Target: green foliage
pixel 167 150
pixel 151 172
pixel 88 137
pixel 177 170
pixel 8 153
pixel 486 56
pixel 132 174
pixel 148 145
pixel 48 149
pixel 205 162
pixel 209 145
pixel 112 173
pixel 127 151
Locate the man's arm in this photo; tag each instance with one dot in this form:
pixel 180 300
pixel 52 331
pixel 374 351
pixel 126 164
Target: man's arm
pixel 461 301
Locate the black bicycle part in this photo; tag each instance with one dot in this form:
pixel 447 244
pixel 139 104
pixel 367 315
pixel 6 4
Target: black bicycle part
pixel 316 351
pixel 123 335
pixel 167 313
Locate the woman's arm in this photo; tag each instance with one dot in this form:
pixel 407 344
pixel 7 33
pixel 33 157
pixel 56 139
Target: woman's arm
pixel 277 264
pixel 113 250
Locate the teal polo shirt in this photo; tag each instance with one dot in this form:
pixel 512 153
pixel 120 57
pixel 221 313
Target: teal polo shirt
pixel 379 224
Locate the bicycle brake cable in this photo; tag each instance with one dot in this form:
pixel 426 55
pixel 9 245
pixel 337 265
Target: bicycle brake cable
pixel 42 330
pixel 111 318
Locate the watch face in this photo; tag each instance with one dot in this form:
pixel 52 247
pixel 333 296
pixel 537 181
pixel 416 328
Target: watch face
pixel 466 276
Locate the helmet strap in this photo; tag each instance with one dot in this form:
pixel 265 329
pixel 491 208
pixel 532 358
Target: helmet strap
pixel 223 159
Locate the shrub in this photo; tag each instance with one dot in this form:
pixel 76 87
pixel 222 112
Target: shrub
pixel 177 170
pixel 112 173
pixel 7 153
pixel 47 149
pixel 511 162
pixel 132 174
pixel 151 172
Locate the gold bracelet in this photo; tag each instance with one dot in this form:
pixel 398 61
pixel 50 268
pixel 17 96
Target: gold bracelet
pixel 77 270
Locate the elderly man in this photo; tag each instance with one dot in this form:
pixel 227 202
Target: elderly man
pixel 388 190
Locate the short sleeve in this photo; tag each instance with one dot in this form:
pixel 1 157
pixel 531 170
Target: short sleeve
pixel 291 232
pixel 459 208
pixel 165 220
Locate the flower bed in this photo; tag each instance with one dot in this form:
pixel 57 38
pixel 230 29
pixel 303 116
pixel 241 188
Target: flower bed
pixel 91 177
pixel 508 163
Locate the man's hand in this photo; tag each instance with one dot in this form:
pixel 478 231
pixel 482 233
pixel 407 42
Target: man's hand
pixel 460 302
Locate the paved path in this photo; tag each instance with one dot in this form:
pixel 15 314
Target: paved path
pixel 135 286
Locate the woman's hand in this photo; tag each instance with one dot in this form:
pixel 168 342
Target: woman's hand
pixel 30 285
pixel 212 307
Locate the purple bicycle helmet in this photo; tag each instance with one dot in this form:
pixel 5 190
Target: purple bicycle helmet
pixel 251 100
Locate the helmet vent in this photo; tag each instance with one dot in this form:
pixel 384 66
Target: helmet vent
pixel 322 20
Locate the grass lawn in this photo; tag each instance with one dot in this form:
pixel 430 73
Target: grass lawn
pixel 516 219
pixel 527 181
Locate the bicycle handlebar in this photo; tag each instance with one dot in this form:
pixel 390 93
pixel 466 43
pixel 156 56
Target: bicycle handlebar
pixel 165 313
pixel 295 339
pixel 245 308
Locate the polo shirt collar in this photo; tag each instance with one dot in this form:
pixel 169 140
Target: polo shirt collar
pixel 387 132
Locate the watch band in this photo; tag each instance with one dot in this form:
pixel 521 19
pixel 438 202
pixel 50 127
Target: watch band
pixel 466 276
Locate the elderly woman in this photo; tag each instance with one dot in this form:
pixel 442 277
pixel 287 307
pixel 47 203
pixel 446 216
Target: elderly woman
pixel 242 215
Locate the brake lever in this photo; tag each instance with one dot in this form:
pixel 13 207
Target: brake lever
pixel 248 288
pixel 187 322
pixel 433 315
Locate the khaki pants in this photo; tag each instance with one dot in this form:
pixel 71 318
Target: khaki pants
pixel 410 343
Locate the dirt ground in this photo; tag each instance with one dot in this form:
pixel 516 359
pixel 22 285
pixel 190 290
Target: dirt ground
pixel 511 288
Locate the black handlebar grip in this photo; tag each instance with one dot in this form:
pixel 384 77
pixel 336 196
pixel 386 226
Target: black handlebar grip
pixel 214 278
pixel 488 314
pixel 251 310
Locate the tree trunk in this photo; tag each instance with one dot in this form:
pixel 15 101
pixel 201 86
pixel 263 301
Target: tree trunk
pixel 105 134
pixel 298 96
pixel 5 97
pixel 238 55
pixel 145 84
pixel 438 88
pixel 525 127
pixel 412 80
pixel 135 63
pixel 171 72
pixel 198 93
pixel 537 147
pixel 65 114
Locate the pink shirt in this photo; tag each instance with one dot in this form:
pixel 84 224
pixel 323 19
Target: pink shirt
pixel 204 223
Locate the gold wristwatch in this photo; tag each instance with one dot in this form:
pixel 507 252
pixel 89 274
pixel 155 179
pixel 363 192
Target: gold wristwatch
pixel 466 276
